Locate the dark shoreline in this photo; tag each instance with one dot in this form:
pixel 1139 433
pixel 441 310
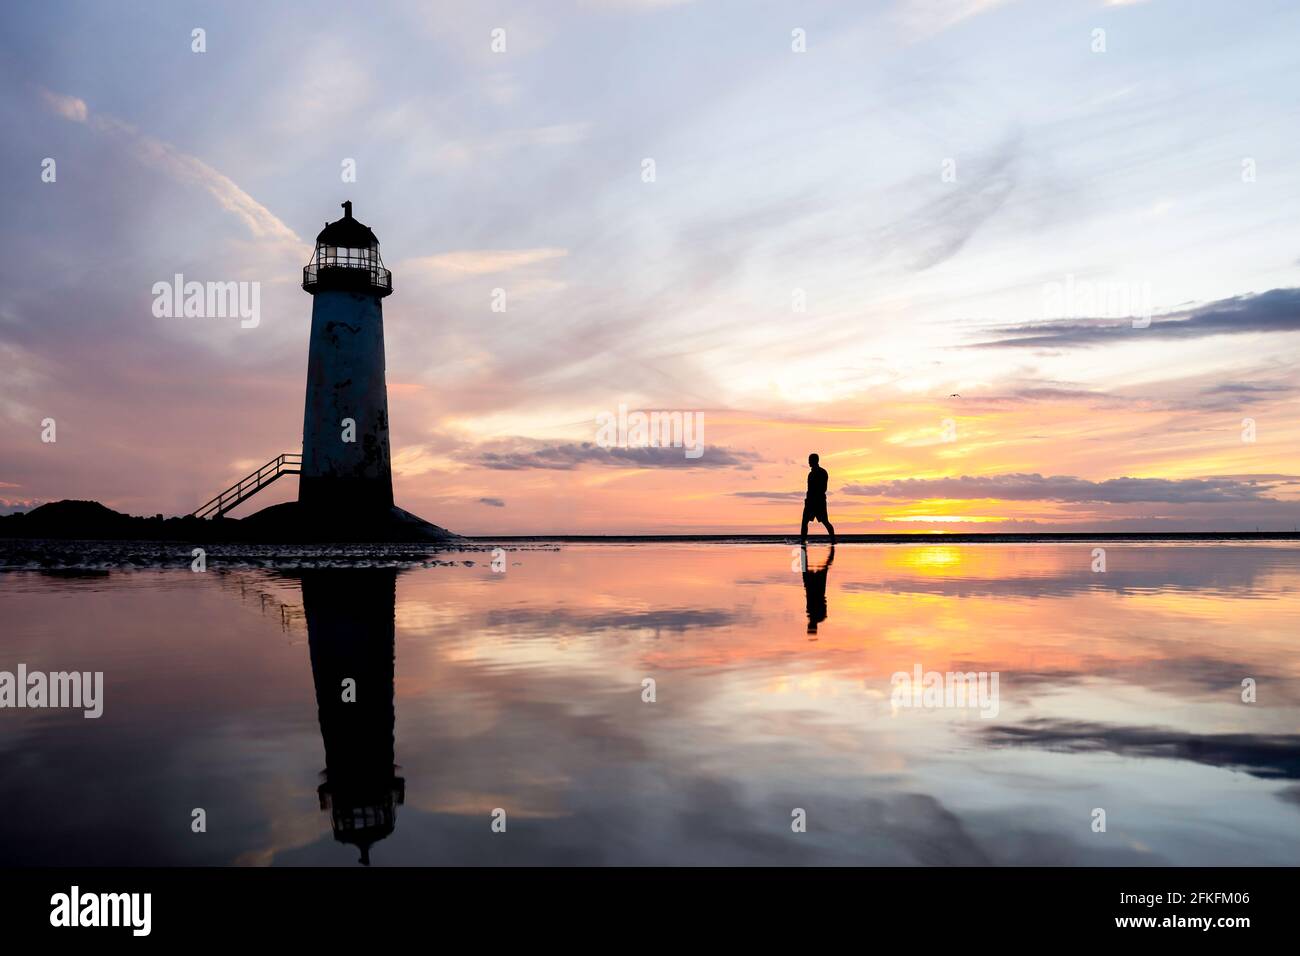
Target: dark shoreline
pixel 198 535
pixel 915 537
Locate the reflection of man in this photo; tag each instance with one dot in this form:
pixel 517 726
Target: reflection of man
pixel 814 502
pixel 814 589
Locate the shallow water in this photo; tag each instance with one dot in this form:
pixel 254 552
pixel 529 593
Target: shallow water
pixel 522 691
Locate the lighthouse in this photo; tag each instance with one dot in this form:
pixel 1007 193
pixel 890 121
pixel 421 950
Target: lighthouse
pixel 345 471
pixel 346 462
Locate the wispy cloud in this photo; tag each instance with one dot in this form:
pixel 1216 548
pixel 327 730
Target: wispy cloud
pixel 942 227
pixel 69 107
pixel 477 262
pixel 1270 756
pixel 183 167
pixel 1035 487
pixel 923 18
pixel 462 153
pixel 568 456
pixel 1277 310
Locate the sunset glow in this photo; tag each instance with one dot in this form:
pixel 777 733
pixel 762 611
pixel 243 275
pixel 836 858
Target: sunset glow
pixel 807 282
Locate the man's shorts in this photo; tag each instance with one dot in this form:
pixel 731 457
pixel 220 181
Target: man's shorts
pixel 815 509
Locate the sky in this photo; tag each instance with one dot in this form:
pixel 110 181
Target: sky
pixel 1005 266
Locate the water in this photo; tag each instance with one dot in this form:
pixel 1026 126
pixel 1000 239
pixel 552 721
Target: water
pixel 523 691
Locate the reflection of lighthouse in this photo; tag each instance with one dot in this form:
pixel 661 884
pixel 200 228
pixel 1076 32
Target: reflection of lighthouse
pixel 345 452
pixel 349 615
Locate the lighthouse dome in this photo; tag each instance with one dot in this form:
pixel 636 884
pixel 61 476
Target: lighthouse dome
pixel 347 232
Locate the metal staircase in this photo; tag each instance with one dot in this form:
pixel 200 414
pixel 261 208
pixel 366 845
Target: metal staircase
pixel 290 463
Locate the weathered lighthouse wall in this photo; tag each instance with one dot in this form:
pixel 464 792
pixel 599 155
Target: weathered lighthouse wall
pixel 345 380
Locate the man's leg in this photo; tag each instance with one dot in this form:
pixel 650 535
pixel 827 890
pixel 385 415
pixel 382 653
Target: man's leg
pixel 830 529
pixel 803 528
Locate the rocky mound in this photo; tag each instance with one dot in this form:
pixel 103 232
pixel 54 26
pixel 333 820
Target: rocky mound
pixel 283 523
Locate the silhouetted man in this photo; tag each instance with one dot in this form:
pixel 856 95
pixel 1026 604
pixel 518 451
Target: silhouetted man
pixel 814 503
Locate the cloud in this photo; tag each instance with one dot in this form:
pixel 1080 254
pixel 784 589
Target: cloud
pixel 259 220
pixel 461 154
pixel 183 167
pixel 1246 388
pixel 769 495
pixel 923 18
pixel 942 227
pixel 492 502
pixel 1039 393
pixel 477 262
pixel 1277 310
pixel 635 5
pixel 571 455
pixel 1271 756
pixel 1228 396
pixel 69 107
pixel 1035 487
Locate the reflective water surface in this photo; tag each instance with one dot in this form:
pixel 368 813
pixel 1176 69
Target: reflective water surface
pixel 525 691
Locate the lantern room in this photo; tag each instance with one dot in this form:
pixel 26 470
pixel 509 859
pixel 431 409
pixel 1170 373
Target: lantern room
pixel 347 260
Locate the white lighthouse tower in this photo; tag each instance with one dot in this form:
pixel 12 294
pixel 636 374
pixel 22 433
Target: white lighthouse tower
pixel 346 462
